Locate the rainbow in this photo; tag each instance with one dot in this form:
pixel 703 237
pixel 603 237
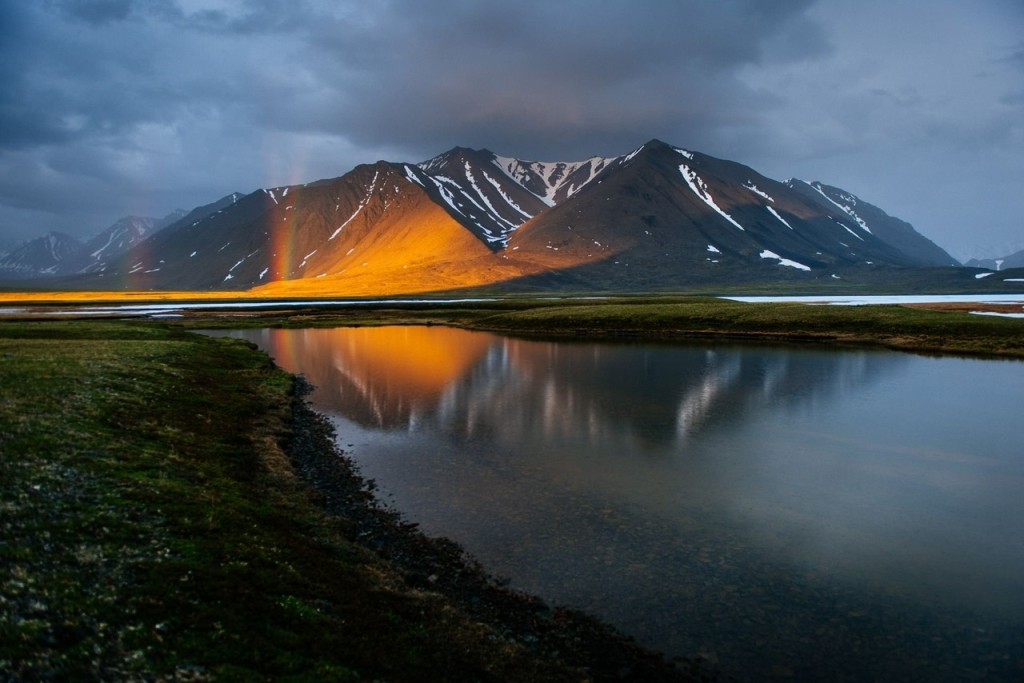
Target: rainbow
pixel 282 241
pixel 281 224
pixel 134 277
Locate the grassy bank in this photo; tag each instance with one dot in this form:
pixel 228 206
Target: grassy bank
pixel 155 528
pixel 895 327
pixel 950 329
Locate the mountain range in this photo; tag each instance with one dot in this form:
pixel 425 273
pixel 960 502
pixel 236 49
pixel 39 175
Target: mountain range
pixel 58 253
pixel 1014 260
pixel 658 218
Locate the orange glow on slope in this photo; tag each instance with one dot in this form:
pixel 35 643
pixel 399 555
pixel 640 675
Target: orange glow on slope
pixel 416 250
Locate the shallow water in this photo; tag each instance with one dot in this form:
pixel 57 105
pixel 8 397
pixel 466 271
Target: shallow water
pixel 784 512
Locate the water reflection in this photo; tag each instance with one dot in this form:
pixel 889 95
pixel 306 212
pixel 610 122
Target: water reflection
pixel 646 398
pixel 383 377
pixel 828 515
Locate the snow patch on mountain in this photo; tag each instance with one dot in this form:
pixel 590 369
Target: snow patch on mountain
pixel 553 176
pixel 848 229
pixel 411 175
pixel 766 254
pixel 845 208
pixel 483 197
pixel 776 214
pixel 362 204
pixel 445 193
pixel 508 200
pixel 753 188
pixel 701 190
pixel 110 240
pixel 629 157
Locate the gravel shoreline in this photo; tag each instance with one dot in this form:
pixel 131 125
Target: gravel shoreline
pixel 441 566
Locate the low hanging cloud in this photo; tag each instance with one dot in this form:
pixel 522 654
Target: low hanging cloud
pixel 113 106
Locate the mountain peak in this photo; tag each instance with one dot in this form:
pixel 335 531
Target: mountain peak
pixel 655 143
pixel 456 154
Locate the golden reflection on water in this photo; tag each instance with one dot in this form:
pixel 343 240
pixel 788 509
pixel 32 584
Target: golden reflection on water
pixel 379 376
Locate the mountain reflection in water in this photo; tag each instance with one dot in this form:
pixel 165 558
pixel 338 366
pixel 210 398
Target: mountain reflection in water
pixel 828 515
pixel 382 377
pixel 473 382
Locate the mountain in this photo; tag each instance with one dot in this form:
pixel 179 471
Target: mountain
pixel 7 245
pixel 114 264
pixel 116 240
pixel 1014 260
pixel 871 218
pixel 57 254
pixel 39 257
pixel 658 218
pixel 669 216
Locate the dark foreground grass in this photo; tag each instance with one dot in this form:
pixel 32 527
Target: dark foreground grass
pixel 154 528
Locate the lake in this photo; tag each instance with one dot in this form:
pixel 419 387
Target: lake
pixel 782 512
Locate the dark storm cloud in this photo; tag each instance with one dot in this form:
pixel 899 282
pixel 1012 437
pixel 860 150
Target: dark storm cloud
pixel 96 11
pixel 547 78
pixel 113 106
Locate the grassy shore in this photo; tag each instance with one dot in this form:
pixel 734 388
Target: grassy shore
pixel 159 524
pixel 928 329
pixel 890 326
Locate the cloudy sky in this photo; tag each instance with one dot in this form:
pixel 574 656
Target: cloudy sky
pixel 117 107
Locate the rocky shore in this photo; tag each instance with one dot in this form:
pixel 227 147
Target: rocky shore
pixel 441 566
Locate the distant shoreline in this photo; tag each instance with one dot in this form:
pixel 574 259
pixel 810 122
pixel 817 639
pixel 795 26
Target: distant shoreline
pixel 923 324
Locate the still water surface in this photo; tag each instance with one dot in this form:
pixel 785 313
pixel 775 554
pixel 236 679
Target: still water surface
pixel 782 512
